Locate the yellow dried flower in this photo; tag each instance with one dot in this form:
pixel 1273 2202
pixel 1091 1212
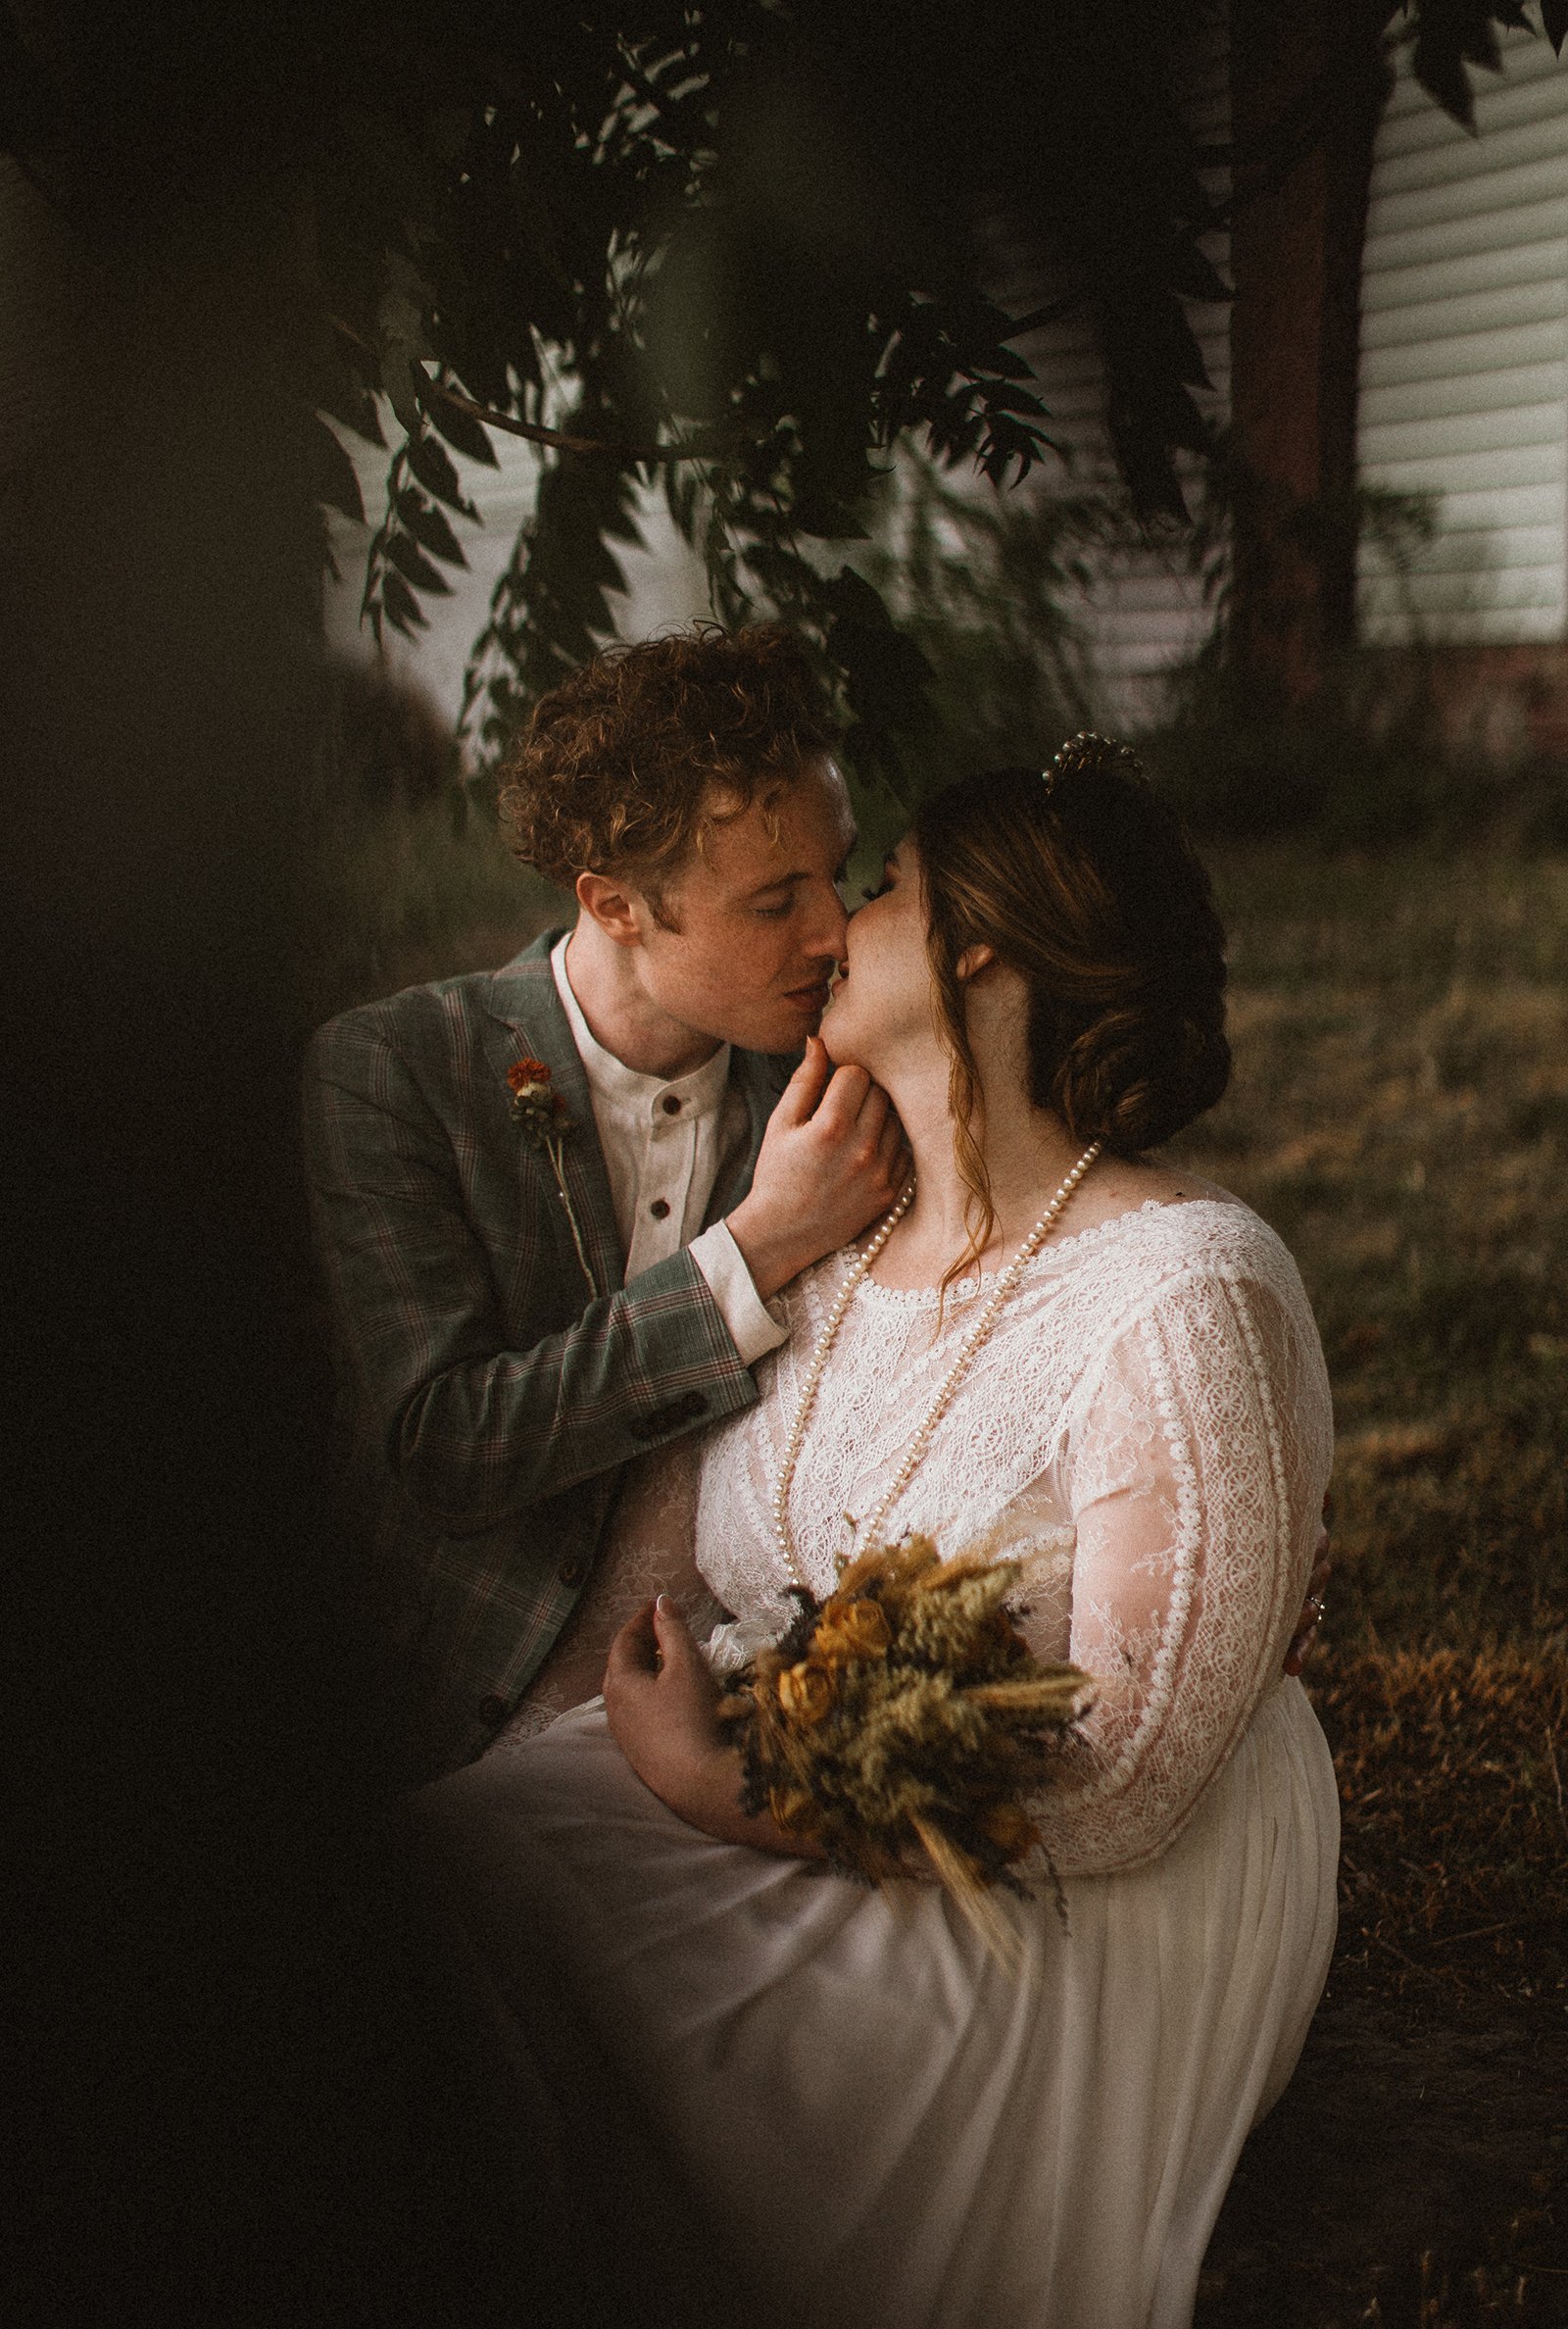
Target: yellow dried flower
pixel 1009 1828
pixel 857 1629
pixel 805 1692
pixel 794 1809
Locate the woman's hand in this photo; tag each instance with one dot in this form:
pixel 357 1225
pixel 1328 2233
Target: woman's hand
pixel 663 1704
pixel 1304 1638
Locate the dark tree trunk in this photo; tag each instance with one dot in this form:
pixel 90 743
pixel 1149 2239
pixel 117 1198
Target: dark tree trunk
pixel 1308 85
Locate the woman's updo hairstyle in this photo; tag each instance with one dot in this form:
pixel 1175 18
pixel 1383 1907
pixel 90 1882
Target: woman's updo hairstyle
pixel 1086 884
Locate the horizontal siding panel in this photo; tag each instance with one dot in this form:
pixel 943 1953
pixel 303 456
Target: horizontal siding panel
pixel 1439 358
pixel 1502 310
pixel 1156 595
pixel 1496 593
pixel 1483 549
pixel 1137 642
pixel 1455 434
pixel 1520 125
pixel 1528 112
pixel 1476 230
pixel 1495 626
pixel 1497 511
pixel 1526 57
pixel 1439 396
pixel 1514 260
pixel 1492 188
pixel 1471 473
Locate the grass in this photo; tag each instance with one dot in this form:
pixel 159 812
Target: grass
pixel 1400 1113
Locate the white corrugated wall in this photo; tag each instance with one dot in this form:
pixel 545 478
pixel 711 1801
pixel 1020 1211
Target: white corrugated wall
pixel 1146 609
pixel 1465 354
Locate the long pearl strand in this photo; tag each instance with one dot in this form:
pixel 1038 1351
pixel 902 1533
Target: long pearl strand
pixel 971 1344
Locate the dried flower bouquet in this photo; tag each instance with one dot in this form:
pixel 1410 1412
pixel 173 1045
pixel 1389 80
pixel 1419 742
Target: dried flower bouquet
pixel 903 1719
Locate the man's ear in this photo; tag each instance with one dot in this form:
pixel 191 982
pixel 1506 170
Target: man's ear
pixel 619 911
pixel 975 958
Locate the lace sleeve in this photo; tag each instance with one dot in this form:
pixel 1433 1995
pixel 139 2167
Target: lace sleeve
pixel 647 1551
pixel 1195 1468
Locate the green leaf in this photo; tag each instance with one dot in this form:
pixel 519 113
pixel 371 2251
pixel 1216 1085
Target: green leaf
pixel 403 610
pixel 461 429
pixel 431 464
pixel 1439 69
pixel 430 529
pixel 414 566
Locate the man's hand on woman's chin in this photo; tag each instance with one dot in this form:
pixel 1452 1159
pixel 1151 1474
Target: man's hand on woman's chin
pixel 833 1161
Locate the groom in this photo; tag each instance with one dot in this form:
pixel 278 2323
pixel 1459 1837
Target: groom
pixel 553 1201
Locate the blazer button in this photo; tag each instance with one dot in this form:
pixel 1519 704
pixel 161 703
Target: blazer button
pixel 491 1710
pixel 569 1570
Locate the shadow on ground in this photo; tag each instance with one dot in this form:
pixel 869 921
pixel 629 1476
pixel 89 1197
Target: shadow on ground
pixel 1414 2176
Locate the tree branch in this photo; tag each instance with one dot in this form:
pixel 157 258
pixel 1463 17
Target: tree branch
pixel 533 430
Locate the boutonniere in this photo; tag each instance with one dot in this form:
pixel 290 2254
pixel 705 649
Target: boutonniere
pixel 543 1116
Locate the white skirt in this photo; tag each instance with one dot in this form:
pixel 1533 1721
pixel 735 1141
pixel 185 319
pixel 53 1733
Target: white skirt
pixel 893 2130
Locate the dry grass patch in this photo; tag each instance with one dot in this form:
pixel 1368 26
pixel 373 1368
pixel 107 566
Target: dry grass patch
pixel 1452 1766
pixel 1399 1111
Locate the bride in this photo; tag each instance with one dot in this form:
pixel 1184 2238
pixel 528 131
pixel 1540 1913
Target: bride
pixel 1067 1356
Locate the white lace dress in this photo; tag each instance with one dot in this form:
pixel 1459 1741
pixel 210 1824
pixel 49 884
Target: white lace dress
pixel 898 2131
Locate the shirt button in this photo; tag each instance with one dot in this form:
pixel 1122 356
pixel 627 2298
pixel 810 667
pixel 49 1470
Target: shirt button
pixel 659 1209
pixel 571 1571
pixel 670 1105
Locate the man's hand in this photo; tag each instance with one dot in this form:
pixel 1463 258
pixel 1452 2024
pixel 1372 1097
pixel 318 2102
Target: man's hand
pixel 660 1700
pixel 1305 1634
pixel 832 1160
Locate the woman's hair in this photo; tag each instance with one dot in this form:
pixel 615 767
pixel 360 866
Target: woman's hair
pixel 616 767
pixel 1087 885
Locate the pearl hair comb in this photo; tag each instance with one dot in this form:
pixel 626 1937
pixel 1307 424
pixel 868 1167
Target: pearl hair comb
pixel 1088 750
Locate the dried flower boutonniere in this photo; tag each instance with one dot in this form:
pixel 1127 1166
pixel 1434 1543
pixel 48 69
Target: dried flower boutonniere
pixel 541 1114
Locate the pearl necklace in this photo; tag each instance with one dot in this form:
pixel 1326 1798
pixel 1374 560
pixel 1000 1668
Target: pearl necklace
pixel 955 1373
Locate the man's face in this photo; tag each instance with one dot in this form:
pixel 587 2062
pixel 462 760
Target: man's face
pixel 760 924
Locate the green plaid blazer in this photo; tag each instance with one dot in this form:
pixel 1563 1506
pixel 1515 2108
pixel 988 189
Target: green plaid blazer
pixel 488 1404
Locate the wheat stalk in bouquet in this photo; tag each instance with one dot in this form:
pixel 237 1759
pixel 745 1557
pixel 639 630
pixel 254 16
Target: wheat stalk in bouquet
pixel 905 1720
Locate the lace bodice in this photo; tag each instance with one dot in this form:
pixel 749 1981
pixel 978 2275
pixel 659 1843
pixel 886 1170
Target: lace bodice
pixel 1147 1427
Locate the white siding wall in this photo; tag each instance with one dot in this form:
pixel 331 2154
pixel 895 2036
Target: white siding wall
pixel 1144 611
pixel 1464 353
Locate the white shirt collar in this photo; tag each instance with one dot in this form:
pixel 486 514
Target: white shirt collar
pixel 624 1091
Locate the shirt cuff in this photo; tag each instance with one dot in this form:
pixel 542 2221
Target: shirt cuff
pixel 754 1328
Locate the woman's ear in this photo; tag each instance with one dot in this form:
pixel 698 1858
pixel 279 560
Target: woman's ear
pixel 975 958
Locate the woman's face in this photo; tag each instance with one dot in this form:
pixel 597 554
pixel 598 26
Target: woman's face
pixel 882 1000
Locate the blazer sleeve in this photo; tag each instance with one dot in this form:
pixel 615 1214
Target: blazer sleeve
pixel 477 1420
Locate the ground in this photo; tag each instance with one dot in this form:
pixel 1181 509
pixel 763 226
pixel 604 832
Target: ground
pixel 1400 1113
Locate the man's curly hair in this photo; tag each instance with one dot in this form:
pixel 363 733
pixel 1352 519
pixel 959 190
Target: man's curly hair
pixel 615 766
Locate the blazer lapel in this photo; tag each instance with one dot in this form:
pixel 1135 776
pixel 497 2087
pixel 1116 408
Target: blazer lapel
pixel 527 1009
